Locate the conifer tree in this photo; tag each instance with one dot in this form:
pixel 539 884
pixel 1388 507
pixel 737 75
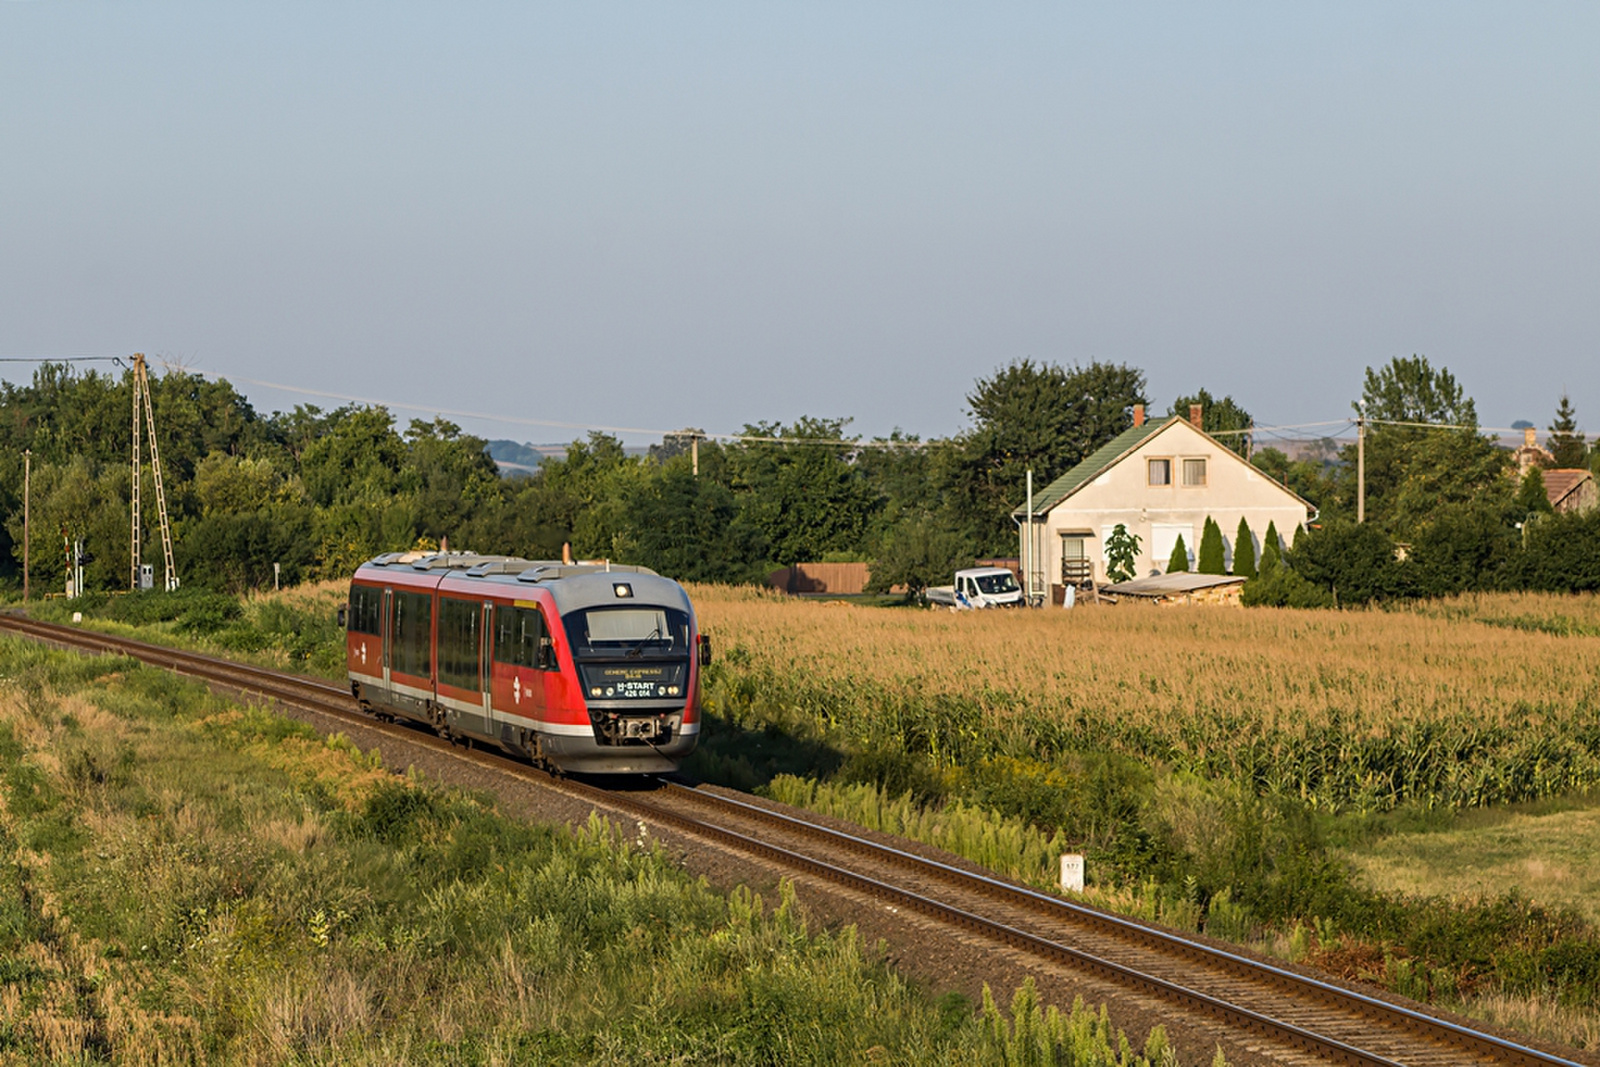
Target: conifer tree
pixel 1213 555
pixel 1244 551
pixel 1531 496
pixel 1271 550
pixel 1567 445
pixel 1179 560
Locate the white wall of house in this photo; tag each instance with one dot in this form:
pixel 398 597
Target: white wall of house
pixel 1202 478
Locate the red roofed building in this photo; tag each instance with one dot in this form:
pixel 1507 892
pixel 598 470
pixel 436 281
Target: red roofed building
pixel 1571 489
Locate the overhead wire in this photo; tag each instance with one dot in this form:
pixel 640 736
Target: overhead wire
pixel 735 438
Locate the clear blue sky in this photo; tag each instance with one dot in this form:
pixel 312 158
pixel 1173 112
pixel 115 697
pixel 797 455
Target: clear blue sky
pixel 660 215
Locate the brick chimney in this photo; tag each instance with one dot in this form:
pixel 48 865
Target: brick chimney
pixel 1195 413
pixel 1138 414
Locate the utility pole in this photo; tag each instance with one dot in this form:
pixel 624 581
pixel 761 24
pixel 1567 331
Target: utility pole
pixel 1361 467
pixel 27 515
pixel 1027 548
pixel 141 405
pixel 694 453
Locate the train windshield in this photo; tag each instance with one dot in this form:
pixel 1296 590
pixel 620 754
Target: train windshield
pixel 630 631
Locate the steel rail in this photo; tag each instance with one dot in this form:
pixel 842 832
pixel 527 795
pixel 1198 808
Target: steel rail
pixel 1163 940
pixel 336 700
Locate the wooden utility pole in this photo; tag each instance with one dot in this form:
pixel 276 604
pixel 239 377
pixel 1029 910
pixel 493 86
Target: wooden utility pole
pixel 141 405
pixel 27 515
pixel 1361 468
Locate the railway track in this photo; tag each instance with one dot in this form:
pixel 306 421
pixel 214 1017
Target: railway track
pixel 1287 1014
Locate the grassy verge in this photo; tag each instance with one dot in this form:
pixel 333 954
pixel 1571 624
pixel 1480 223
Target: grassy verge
pixel 183 880
pixel 295 629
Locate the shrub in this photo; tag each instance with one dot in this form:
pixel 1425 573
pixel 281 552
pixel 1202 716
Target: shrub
pixel 1212 552
pixel 1244 551
pixel 1179 560
pixel 1271 548
pixel 1355 562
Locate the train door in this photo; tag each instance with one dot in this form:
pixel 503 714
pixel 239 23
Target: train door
pixel 388 634
pixel 486 668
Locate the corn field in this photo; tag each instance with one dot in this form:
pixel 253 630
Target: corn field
pixel 1465 702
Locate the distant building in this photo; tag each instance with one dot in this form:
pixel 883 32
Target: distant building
pixel 1571 490
pixel 1160 480
pixel 1531 453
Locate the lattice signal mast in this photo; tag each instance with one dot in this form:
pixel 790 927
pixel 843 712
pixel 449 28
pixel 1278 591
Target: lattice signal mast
pixel 141 404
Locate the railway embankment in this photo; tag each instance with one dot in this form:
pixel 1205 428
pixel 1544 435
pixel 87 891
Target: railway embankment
pixel 189 878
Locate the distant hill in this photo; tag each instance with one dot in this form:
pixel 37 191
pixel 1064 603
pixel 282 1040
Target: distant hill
pixel 514 458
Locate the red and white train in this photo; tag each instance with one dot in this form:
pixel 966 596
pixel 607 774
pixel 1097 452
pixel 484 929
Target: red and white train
pixel 582 667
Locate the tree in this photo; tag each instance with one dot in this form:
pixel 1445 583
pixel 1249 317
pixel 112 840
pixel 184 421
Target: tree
pixel 1179 560
pixel 1312 478
pixel 1355 562
pixel 689 528
pixel 1244 551
pixel 1271 549
pixel 1566 444
pixel 1464 547
pixel 1562 555
pixel 1213 553
pixel 1219 416
pixel 1039 417
pixel 1122 550
pixel 1531 498
pixel 1412 469
pixel 356 461
pixel 804 499
pixel 916 553
pixel 1281 587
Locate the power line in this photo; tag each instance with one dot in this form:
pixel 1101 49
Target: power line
pixel 555 424
pixel 60 359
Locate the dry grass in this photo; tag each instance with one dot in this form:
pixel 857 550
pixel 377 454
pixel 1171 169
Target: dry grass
pixel 1273 667
pixel 1463 702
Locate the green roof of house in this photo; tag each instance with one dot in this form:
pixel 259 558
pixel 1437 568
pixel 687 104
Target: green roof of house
pixel 1091 468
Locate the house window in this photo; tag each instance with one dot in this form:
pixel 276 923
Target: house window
pixel 1194 473
pixel 1160 471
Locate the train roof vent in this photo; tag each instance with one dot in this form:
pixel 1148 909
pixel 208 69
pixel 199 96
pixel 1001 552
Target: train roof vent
pixel 433 561
pixel 498 565
pixel 549 572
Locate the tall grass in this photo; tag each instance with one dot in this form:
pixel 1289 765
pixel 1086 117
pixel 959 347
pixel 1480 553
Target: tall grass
pixel 184 881
pixel 1457 704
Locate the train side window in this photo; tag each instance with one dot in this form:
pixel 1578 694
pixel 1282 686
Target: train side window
pixel 412 642
pixel 522 639
pixel 458 643
pixel 366 608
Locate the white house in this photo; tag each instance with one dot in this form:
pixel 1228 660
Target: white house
pixel 1159 479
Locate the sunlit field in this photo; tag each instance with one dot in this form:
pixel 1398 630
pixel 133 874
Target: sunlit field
pixel 1461 702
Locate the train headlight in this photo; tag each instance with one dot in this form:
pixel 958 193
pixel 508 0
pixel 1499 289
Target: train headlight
pixel 672 690
pixel 594 691
pixel 609 691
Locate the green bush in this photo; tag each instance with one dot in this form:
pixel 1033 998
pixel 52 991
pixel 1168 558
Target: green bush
pixel 1213 554
pixel 1244 551
pixel 1179 560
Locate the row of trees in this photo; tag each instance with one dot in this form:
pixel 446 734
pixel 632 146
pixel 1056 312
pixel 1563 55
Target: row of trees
pixel 1446 513
pixel 318 491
